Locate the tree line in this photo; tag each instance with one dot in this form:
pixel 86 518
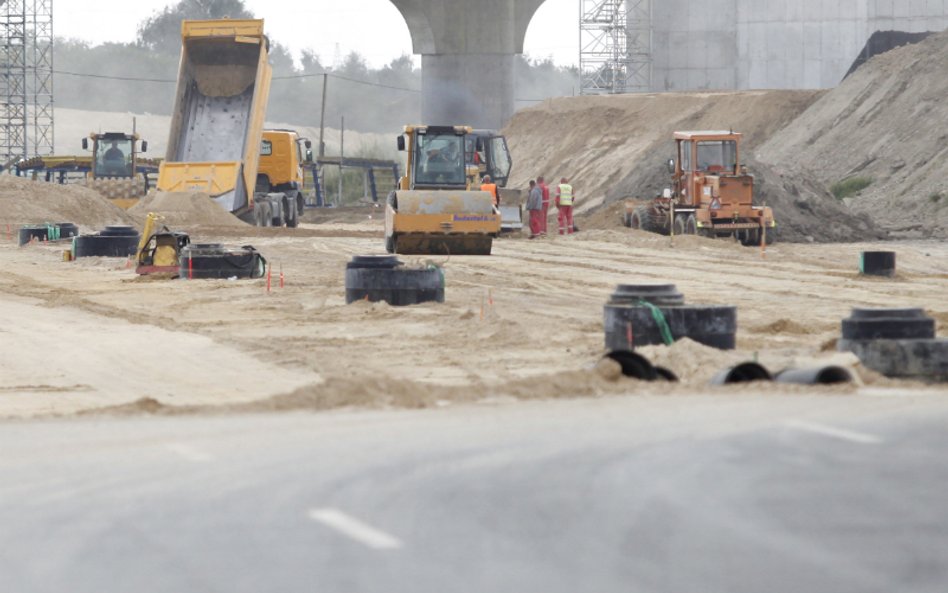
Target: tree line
pixel 140 77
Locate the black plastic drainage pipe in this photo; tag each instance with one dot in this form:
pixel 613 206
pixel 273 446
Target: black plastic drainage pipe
pixel 742 373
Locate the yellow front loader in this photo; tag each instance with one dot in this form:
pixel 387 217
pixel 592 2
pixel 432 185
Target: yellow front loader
pixel 434 210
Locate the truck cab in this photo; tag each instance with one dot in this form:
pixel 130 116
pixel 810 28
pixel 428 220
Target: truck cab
pixel 280 176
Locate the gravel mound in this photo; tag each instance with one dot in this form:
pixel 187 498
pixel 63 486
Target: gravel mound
pixel 185 209
pixel 885 125
pixel 24 201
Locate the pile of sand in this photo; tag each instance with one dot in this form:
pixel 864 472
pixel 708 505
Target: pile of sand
pixel 885 123
pixel 185 210
pixel 616 147
pixel 23 201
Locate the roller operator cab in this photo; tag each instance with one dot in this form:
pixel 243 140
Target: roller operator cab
pixel 435 210
pixel 114 170
pixel 712 194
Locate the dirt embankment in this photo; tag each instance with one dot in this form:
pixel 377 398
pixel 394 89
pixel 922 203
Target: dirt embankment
pixel 886 124
pixel 617 147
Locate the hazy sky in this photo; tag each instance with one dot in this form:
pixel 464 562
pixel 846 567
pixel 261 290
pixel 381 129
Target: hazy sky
pixel 374 28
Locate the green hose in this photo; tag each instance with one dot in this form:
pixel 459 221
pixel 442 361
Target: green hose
pixel 659 318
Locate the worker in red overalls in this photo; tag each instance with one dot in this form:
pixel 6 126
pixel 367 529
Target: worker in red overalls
pixel 564 203
pixel 545 212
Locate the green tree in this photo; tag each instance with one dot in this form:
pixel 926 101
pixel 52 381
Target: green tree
pixel 162 31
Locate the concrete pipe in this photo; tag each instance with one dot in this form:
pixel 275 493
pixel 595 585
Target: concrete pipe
pixel 742 373
pixel 888 324
pixel 112 241
pixel 212 260
pixel 627 326
pixel 877 263
pixel 384 278
pixel 25 234
pixel 827 375
pixel 660 295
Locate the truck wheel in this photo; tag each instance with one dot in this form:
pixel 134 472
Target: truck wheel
pixel 266 214
pixel 293 212
pixel 691 225
pixel 680 225
pixel 390 243
pixel 749 237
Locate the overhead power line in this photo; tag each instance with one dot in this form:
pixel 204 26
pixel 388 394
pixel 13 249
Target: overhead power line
pixel 294 77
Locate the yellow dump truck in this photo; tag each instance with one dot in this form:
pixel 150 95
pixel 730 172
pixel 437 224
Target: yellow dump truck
pixel 216 131
pixel 280 179
pixel 434 210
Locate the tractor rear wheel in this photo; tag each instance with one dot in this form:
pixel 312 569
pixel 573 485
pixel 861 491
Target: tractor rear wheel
pixel 643 220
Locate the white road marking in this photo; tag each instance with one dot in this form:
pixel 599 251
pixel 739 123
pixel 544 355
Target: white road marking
pixel 355 529
pixel 831 431
pixel 189 452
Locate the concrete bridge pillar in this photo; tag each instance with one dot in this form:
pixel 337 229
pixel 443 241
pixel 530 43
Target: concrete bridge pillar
pixel 467 52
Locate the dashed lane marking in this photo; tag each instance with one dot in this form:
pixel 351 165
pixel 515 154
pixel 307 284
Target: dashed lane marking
pixel 190 453
pixel 355 529
pixel 833 432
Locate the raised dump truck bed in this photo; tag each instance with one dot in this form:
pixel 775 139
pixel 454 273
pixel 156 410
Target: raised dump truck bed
pixel 217 122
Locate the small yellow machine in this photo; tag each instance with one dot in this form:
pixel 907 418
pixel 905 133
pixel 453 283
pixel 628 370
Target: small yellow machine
pixel 158 251
pixel 434 210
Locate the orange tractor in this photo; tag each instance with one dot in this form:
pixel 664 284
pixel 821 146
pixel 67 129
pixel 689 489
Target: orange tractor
pixel 712 194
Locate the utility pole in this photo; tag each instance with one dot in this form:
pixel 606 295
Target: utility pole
pixel 342 157
pixel 322 116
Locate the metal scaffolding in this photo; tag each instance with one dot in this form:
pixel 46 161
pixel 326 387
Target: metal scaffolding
pixel 615 46
pixel 26 79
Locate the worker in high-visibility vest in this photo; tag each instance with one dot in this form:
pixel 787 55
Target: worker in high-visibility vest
pixel 491 188
pixel 564 205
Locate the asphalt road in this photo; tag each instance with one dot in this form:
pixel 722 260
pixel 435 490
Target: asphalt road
pixel 679 494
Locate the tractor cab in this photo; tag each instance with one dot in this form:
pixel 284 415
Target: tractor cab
pixel 113 154
pixel 708 172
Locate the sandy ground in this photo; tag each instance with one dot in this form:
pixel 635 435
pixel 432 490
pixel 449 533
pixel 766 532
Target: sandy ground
pixel 525 322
